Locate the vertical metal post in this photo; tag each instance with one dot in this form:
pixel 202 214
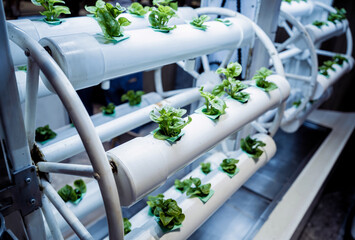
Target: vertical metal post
pixel 267 19
pixel 12 122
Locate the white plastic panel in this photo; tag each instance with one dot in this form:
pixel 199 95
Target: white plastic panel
pixel 141 171
pixel 88 62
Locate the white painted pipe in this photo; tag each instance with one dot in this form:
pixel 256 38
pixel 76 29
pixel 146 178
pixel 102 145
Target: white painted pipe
pixel 141 171
pixel 65 168
pixel 73 145
pixel 326 32
pixel 145 227
pixel 39 29
pixel 293 126
pixel 298 9
pixel 88 62
pixel 324 83
pixel 55 232
pixel 21 86
pixel 90 208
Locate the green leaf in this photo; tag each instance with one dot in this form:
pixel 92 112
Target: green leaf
pixel 134 98
pixel 199 21
pixel 80 184
pixel 339 59
pixel 319 24
pixel 183 186
pixel 241 97
pixel 109 109
pixel 44 133
pixel 206 167
pixel 67 193
pixel 251 147
pixel 127 225
pixel 159 18
pixel 229 165
pixel 124 21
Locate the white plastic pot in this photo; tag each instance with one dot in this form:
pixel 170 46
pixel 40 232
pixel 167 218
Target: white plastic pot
pixel 139 172
pixel 88 62
pixel 323 83
pixel 145 227
pixel 38 29
pixel 298 9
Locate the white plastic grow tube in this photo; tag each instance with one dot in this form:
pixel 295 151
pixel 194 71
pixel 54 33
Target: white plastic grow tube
pixel 38 29
pixel 145 227
pixel 325 82
pixel 298 9
pixel 326 32
pixel 73 145
pixel 88 62
pixel 139 172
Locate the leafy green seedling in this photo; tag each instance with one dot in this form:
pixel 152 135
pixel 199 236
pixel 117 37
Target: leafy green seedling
pixel 182 186
pixel 229 165
pixel 159 18
pixel 325 67
pixel 214 104
pixel 260 79
pixel 251 146
pixel 230 85
pixel 198 22
pixel 134 98
pixel 297 103
pixel 339 59
pixel 44 133
pixel 206 167
pixel 170 122
pixel 339 15
pixel 171 3
pixel 242 97
pixel 224 21
pixel 109 109
pixel 197 189
pixel 51 12
pixel 22 68
pixel 319 24
pixel 137 9
pixel 68 193
pixel 127 225
pixel 168 213
pixel 106 15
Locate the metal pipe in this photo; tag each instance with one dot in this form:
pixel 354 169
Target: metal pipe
pixel 64 168
pixel 83 124
pixel 63 209
pixel 32 82
pixel 72 145
pixel 51 221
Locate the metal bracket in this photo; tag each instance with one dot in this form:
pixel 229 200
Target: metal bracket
pixel 24 195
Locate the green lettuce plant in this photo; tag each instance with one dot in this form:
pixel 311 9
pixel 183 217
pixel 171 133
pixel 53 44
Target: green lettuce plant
pixel 182 186
pixel 171 3
pixel 68 193
pixel 206 167
pixel 167 212
pixel 226 22
pixel 106 15
pixel 51 12
pixel 44 133
pixel 252 146
pixel 109 109
pixel 197 189
pixel 319 24
pixel 198 22
pixel 126 225
pixel 325 67
pixel 170 122
pixel 134 98
pixel 137 9
pixel 338 16
pixel 339 59
pixel 297 103
pixel 159 18
pixel 229 165
pixel 214 105
pixel 230 85
pixel 261 82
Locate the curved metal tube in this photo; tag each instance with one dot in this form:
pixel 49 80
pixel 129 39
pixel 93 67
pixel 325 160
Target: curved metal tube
pixel 83 124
